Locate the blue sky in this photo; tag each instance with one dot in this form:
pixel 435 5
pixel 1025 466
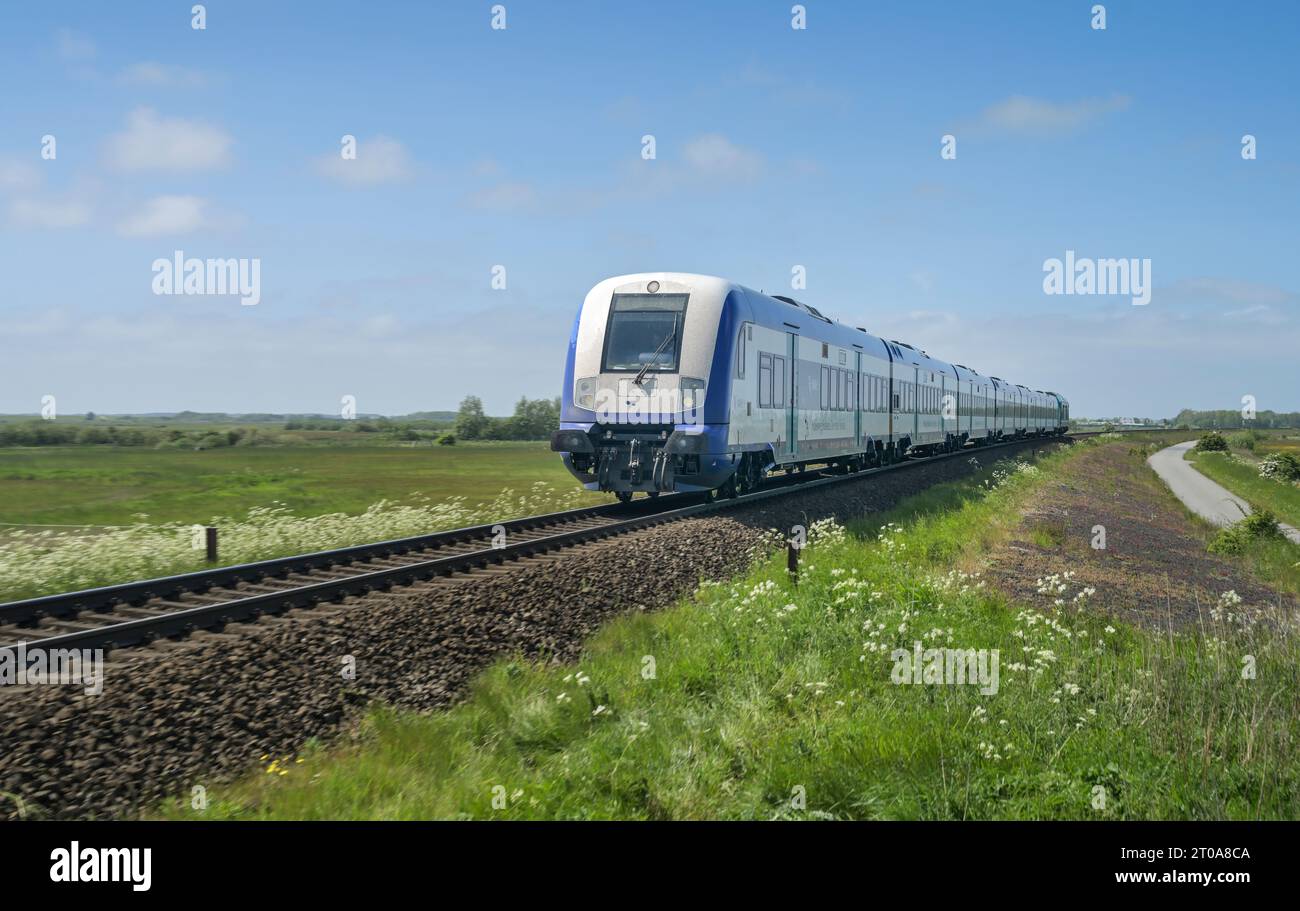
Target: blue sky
pixel 522 147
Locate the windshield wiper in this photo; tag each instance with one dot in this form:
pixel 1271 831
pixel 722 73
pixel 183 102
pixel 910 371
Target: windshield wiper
pixel 654 357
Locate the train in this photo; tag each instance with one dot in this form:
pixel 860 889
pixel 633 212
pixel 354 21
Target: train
pixel 676 382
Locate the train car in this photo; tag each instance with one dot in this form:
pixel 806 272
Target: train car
pixel 1059 409
pixel 974 405
pixel 683 382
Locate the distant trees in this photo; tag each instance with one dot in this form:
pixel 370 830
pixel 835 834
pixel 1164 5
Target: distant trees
pixel 534 419
pixel 471 422
pixel 1233 420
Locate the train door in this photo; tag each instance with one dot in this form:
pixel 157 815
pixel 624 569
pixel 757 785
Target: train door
pixel 856 399
pixel 915 404
pixel 889 399
pixel 792 386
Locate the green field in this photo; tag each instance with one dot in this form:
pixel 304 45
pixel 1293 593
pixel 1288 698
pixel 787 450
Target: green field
pixel 106 485
pixel 76 517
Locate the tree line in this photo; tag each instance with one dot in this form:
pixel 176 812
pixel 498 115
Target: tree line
pixel 534 419
pixel 1233 419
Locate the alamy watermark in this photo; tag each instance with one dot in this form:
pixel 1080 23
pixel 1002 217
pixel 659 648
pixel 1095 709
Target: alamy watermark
pixel 21 667
pixel 946 666
pixel 1080 275
pixel 182 275
pixel 75 864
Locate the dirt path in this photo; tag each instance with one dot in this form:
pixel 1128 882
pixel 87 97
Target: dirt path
pixel 1153 570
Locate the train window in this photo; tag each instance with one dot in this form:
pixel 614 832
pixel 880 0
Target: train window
pixel 826 350
pixel 896 405
pixel 778 382
pixel 740 352
pixel 644 332
pixel 765 381
pixel 826 389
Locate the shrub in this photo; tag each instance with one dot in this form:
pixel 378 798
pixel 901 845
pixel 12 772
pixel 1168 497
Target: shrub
pixel 1212 442
pixel 447 439
pixel 1243 440
pixel 1280 466
pixel 1236 538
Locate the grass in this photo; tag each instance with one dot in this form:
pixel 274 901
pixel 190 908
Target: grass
pixel 266 502
pixel 104 485
pixel 757 699
pixel 1243 479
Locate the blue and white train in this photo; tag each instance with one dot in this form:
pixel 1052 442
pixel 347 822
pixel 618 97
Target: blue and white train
pixel 681 382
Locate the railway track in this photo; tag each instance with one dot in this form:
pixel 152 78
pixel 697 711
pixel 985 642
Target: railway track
pixel 141 612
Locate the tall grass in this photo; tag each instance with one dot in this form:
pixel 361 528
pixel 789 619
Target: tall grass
pixel 760 699
pixel 44 562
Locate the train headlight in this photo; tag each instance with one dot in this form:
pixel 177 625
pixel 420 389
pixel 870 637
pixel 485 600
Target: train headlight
pixel 584 393
pixel 682 443
pixel 692 399
pixel 571 441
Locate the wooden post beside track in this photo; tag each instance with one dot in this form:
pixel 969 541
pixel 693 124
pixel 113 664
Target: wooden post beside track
pixel 211 536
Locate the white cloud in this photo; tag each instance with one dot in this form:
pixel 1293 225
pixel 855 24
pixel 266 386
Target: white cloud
pixel 1035 116
pixel 18 176
pixel 166 215
pixel 152 142
pixel 49 213
pixel 1236 300
pixel 511 196
pixel 1118 359
pixel 380 159
pixel 74 46
pixel 289 361
pixel 161 75
pixel 714 155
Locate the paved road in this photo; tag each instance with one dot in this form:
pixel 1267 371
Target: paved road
pixel 1202 496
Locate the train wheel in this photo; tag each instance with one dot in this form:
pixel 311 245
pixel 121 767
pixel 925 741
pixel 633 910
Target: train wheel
pixel 740 480
pixel 624 496
pixel 653 494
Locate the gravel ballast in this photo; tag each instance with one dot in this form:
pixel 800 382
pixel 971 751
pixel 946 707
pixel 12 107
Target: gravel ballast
pixel 178 715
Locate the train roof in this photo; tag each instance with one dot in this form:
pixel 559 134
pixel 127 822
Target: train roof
pixel 780 309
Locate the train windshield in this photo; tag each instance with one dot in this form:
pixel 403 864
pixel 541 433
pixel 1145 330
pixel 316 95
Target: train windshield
pixel 645 332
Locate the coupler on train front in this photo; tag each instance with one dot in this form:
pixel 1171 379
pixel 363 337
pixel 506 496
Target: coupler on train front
pixel 645 459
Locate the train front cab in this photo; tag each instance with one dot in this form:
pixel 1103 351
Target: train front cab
pixel 628 428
